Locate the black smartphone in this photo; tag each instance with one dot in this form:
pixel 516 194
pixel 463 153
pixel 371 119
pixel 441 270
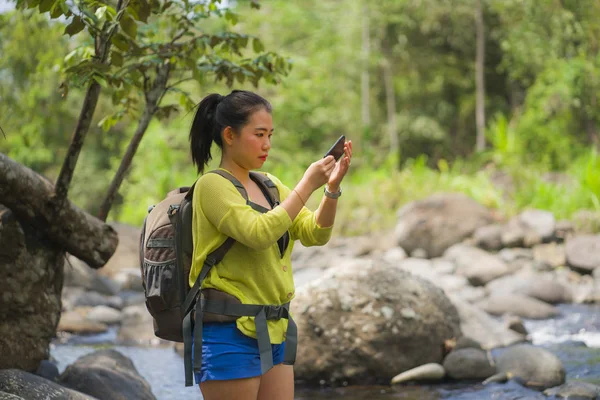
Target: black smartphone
pixel 337 150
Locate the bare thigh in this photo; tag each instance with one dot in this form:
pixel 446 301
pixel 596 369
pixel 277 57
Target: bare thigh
pixel 277 384
pixel 242 389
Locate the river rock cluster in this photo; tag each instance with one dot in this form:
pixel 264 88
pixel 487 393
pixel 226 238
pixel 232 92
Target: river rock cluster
pixel 441 297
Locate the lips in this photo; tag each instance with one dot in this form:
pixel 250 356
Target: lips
pixel 264 158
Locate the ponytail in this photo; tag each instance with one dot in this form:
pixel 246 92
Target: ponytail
pixel 205 129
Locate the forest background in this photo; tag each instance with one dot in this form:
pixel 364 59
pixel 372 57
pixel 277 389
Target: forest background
pixel 398 77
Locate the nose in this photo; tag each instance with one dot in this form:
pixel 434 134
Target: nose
pixel 267 144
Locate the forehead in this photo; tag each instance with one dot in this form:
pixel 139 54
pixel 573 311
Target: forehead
pixel 260 118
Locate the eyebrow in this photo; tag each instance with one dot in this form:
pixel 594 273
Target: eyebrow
pixel 263 129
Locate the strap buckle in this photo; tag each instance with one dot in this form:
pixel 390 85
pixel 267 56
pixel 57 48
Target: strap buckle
pixel 274 312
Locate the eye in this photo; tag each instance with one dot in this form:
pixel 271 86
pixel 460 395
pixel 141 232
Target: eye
pixel 260 134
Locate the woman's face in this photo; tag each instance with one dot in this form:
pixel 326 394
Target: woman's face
pixel 251 147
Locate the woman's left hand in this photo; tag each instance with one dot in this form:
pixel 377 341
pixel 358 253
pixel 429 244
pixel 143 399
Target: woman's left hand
pixel 341 168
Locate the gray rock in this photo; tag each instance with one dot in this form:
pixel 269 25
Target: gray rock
pixel 423 373
pixel 137 327
pixel 363 321
pixel 516 324
pixel 79 274
pixel 517 304
pixel 107 375
pixel 394 255
pixel 93 299
pixel 564 229
pixel 8 396
pixel 438 222
pixel 465 342
pixel 48 370
pixel 489 237
pixel 531 366
pixel 104 315
pixel 75 322
pixel 515 255
pixel 480 326
pixel 32 387
pixel 477 265
pixel 552 254
pixel 545 288
pixel 540 222
pixel 468 364
pixel 575 390
pixel 583 253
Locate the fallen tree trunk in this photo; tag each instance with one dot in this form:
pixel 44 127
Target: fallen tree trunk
pixel 32 199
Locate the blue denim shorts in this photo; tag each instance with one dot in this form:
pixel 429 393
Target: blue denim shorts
pixel 229 354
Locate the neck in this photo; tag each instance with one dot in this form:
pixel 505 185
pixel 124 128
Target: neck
pixel 240 173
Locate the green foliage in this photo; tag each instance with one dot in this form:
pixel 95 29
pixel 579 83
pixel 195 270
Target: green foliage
pixel 542 87
pixel 34 117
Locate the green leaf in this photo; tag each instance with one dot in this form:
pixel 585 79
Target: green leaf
pixel 75 26
pixel 100 12
pixel 46 5
pixel 141 8
pixel 56 11
pixel 231 17
pixel 129 26
pixel 120 42
pixel 101 81
pixel 116 58
pixel 257 45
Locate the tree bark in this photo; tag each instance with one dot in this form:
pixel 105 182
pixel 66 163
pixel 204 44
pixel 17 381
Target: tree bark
pixel 390 101
pixel 87 111
pixel 31 285
pixel 479 77
pixel 31 198
pixel 153 98
pixel 364 78
pixel 83 125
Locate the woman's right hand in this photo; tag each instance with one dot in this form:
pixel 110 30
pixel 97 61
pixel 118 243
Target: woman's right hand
pixel 317 174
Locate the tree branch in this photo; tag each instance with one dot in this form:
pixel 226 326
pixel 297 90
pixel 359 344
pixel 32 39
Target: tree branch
pixel 87 111
pixel 153 99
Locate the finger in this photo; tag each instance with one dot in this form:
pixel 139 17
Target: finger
pixel 327 159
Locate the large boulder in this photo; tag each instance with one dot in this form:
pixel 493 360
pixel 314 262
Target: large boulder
pixel 107 375
pixel 363 322
pixel 438 222
pixel 23 385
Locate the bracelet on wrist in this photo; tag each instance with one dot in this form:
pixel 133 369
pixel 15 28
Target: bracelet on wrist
pixel 333 195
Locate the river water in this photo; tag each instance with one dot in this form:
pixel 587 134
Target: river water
pixel 564 336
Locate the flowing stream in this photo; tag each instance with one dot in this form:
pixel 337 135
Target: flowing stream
pixel 564 336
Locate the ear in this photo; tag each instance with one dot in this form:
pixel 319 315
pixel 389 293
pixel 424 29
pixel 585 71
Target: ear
pixel 228 135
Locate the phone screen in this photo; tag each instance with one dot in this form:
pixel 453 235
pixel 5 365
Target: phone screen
pixel 337 150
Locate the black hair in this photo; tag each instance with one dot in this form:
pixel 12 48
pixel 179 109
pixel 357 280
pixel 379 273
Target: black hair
pixel 216 112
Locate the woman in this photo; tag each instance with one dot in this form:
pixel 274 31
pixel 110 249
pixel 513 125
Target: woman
pixel 255 270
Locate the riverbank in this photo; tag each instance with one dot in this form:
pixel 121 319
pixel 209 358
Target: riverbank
pixel 564 336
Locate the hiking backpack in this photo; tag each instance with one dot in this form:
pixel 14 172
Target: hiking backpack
pixel 178 311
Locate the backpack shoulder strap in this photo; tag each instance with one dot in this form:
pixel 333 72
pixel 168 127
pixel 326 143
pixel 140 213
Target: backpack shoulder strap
pixel 233 180
pixel 267 186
